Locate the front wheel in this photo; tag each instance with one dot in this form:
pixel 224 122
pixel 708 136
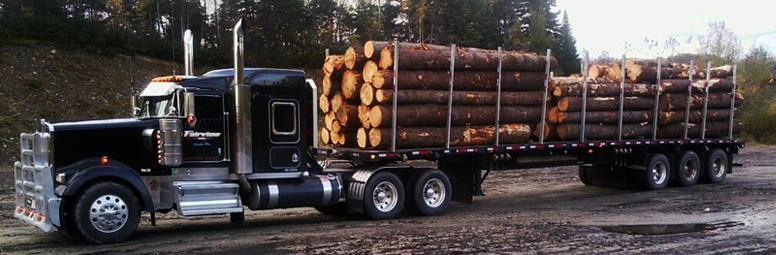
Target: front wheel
pixel 383 196
pixel 428 192
pixel 106 212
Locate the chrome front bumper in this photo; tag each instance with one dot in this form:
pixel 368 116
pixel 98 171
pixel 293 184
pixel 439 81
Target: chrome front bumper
pixel 36 202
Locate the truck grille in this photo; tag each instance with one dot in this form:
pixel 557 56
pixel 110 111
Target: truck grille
pixel 36 202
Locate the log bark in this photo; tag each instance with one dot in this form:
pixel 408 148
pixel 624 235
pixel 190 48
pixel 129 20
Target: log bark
pixel 354 58
pixel 419 56
pixel 330 85
pixel 464 80
pixel 363 116
pixel 436 115
pixel 323 103
pixel 348 116
pixel 603 90
pixel 508 98
pixel 572 104
pixel 362 137
pixel 721 72
pixel 571 131
pixel 605 117
pixel 714 129
pixel 696 116
pixel 717 100
pixel 351 84
pixel 430 137
pixel 334 66
pixel 367 94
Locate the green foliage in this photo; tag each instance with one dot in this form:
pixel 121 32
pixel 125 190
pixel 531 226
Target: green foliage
pixel 567 54
pixel 758 114
pixel 720 43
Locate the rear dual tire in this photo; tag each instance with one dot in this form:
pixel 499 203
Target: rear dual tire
pixel 716 166
pixel 428 192
pixel 688 169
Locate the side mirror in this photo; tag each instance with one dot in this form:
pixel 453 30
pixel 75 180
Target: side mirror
pixel 188 106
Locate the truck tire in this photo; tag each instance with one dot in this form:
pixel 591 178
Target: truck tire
pixel 716 166
pixel 340 209
pixel 584 173
pixel 688 169
pixel 428 192
pixel 383 196
pixel 106 212
pixel 657 174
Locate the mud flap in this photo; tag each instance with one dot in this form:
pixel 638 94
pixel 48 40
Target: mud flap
pixel 463 180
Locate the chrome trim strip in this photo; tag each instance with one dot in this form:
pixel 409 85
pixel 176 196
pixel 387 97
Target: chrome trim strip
pixel 326 190
pixel 273 194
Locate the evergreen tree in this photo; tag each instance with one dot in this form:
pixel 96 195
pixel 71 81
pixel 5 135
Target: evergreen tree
pixel 567 55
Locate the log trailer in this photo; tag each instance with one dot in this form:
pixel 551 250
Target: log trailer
pixel 241 137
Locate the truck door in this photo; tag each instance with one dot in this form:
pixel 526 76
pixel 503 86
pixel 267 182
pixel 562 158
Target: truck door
pixel 205 141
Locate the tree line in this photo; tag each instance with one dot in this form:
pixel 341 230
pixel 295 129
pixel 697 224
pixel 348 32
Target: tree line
pixel 288 33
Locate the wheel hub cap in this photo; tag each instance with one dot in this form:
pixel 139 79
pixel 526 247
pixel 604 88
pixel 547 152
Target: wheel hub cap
pixel 108 213
pixel 434 193
pixel 385 196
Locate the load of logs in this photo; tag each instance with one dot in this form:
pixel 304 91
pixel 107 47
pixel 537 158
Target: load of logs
pixel 358 94
pixel 639 92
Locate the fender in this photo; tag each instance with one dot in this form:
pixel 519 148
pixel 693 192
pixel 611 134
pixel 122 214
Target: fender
pixel 91 169
pixel 357 184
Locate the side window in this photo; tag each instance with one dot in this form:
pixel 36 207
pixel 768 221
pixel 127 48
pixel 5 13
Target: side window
pixel 209 107
pixel 284 119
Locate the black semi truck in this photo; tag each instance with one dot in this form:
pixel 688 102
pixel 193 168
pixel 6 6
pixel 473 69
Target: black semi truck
pixel 232 138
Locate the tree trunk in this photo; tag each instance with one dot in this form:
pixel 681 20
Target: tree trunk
pixel 362 138
pixel 574 104
pixel 603 90
pixel 325 139
pixel 419 56
pixel 367 94
pixel 571 131
pixel 323 103
pixel 363 116
pixel 696 116
pixel 464 80
pixel 351 84
pixel 334 66
pixel 596 71
pixel 354 58
pixel 430 137
pixel 370 68
pixel 436 115
pixel 348 116
pixel 604 117
pixel 721 72
pixel 372 49
pixel 717 100
pixel 528 98
pixel 714 129
pixel 330 85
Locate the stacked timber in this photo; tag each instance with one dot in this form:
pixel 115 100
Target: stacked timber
pixel 339 99
pixel 422 96
pixel 602 115
pixel 673 108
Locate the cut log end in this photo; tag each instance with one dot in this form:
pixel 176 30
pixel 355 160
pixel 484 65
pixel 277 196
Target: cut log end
pixel 323 103
pixel 361 138
pixel 363 115
pixel 367 94
pixel 370 68
pixel 350 58
pixel 386 59
pixel 351 82
pixel 325 139
pixel 375 116
pixel 375 137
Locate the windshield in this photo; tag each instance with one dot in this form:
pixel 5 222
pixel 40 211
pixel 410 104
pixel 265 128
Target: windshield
pixel 156 107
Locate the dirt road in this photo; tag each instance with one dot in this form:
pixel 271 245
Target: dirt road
pixel 528 211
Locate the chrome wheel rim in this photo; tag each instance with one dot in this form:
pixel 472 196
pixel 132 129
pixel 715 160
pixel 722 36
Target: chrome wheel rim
pixel 659 172
pixel 108 214
pixel 718 167
pixel 434 192
pixel 690 169
pixel 385 196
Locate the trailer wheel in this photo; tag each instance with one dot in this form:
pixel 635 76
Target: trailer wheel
pixel 688 169
pixel 584 174
pixel 106 212
pixel 716 166
pixel 658 171
pixel 383 196
pixel 428 192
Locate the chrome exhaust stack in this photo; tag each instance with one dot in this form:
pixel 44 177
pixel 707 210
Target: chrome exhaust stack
pixel 188 52
pixel 243 145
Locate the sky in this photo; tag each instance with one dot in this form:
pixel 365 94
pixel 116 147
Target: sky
pixel 607 25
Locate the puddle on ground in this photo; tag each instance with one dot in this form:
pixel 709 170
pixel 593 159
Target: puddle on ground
pixel 669 229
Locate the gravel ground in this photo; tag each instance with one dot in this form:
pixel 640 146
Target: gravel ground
pixel 529 211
